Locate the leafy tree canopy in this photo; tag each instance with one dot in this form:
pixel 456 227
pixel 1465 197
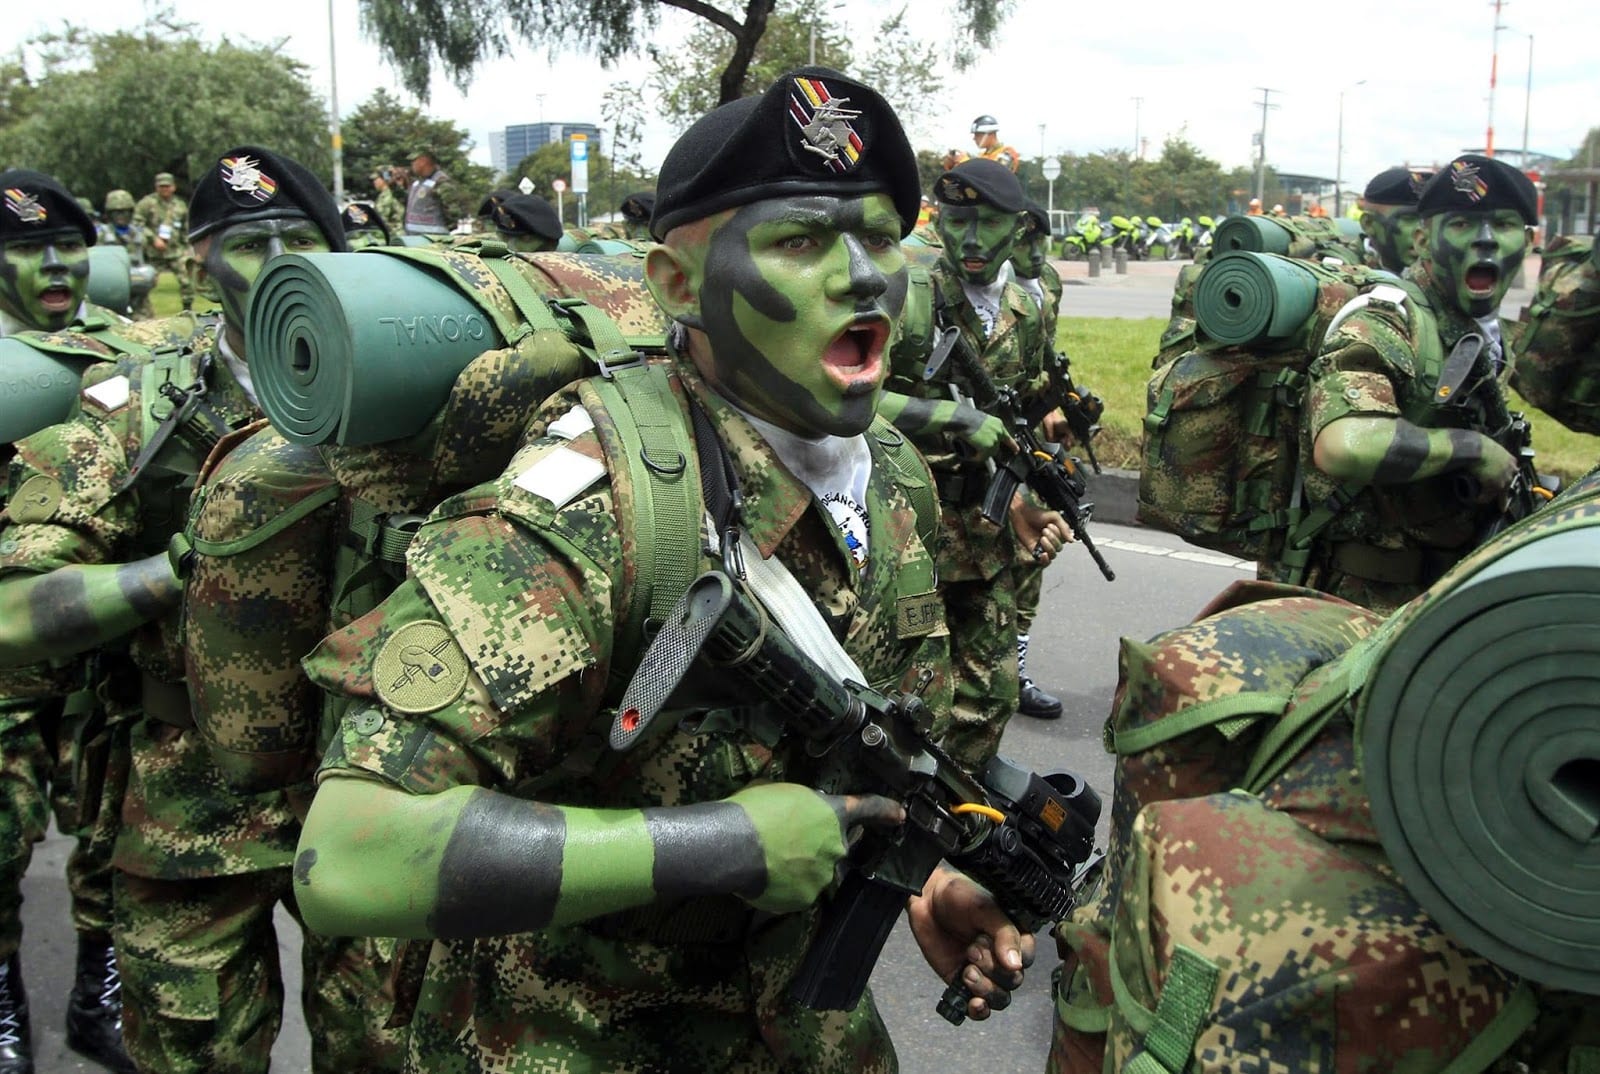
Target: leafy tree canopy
pixel 456 35
pixel 384 132
pixel 112 109
pixel 609 180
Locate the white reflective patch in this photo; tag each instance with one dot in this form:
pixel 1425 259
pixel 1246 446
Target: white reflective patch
pixel 573 424
pixel 110 394
pixel 561 476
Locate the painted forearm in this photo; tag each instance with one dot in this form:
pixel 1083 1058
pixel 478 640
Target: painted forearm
pixel 1393 451
pixel 922 418
pixel 74 609
pixel 375 860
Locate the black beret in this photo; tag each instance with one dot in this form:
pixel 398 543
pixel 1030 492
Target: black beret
pixel 517 213
pixel 36 204
pixel 1475 184
pixel 639 206
pixel 1038 217
pixel 1396 186
pixel 982 182
pixel 359 216
pixel 251 183
pixel 813 131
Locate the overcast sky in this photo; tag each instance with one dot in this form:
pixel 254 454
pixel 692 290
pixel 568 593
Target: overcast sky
pixel 1197 65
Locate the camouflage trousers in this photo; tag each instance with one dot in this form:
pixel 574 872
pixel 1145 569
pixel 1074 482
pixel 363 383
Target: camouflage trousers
pixel 202 990
pixel 37 776
pixel 182 268
pixel 1030 588
pixel 982 615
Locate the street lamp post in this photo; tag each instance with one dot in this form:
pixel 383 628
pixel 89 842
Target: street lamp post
pixel 1527 104
pixel 333 108
pixel 1338 164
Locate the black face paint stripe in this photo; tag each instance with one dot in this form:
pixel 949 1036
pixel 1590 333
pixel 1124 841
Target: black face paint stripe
pixel 1406 453
pixel 58 608
pixel 501 870
pixel 707 849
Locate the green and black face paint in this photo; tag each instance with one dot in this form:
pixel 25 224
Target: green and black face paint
pixel 1476 255
pixel 43 278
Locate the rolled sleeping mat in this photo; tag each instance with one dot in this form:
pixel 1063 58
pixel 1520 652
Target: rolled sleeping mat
pixel 109 285
pixel 1257 234
pixel 358 348
pixel 141 281
pixel 36 389
pixel 614 247
pixel 1245 298
pixel 1480 748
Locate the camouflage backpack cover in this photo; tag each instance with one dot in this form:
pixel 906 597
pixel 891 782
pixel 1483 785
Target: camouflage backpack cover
pixel 287 541
pixel 1555 343
pixel 1221 457
pixel 1283 893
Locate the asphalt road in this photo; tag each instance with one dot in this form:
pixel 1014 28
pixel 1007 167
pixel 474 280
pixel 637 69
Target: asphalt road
pixel 1160 582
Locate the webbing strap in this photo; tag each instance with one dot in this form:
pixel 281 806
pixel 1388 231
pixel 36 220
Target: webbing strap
pixel 924 496
pixel 1513 1020
pixel 1084 1015
pixel 665 482
pixel 604 335
pixel 1183 1008
pixel 1231 715
pixel 536 315
pixel 320 498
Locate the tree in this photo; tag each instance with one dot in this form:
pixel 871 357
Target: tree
pixel 907 72
pixel 414 35
pixel 382 131
pixel 113 109
pixel 608 183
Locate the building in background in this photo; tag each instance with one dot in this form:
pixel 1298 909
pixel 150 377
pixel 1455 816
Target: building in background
pixel 508 147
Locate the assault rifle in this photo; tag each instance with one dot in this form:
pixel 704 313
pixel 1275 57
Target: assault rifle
pixel 1081 408
pixel 1028 839
pixel 1055 478
pixel 1528 490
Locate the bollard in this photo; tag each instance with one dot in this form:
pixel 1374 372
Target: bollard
pixel 1121 259
pixel 1094 263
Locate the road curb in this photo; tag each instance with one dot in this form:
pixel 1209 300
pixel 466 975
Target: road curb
pixel 1116 496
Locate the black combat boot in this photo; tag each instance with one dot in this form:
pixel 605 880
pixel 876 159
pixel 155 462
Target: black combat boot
pixel 94 1010
pixel 1032 701
pixel 16 1046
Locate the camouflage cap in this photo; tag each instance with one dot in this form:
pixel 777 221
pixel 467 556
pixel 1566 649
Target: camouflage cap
pixel 1396 186
pixel 1475 184
pixel 814 131
pixel 36 205
pixel 982 182
pixel 251 183
pixel 165 179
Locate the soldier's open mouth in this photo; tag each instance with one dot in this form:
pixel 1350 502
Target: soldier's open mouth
pixel 1482 278
pixel 56 299
pixel 856 354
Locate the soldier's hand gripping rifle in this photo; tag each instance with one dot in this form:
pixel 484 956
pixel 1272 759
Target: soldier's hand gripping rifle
pixel 1081 408
pixel 1056 480
pixel 1028 839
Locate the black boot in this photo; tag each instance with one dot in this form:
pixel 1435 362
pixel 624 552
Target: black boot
pixel 94 1010
pixel 1033 701
pixel 16 1046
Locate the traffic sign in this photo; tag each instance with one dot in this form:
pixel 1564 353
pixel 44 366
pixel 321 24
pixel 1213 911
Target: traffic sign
pixel 1052 169
pixel 559 185
pixel 579 156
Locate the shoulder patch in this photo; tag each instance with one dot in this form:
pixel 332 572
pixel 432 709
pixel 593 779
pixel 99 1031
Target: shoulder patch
pixel 110 394
pixel 420 669
pixel 36 500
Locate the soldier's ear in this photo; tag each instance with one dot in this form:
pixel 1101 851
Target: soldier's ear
pixel 672 282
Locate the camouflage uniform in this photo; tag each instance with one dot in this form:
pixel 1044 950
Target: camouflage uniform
pixel 695 985
pixel 1556 342
pixel 1393 541
pixel 169 219
pixel 977 560
pixel 391 209
pixel 435 204
pixel 1030 575
pixel 199 866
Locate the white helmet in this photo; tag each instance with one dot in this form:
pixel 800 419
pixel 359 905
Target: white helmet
pixel 985 124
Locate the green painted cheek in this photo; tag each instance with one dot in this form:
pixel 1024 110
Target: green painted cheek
pixel 618 863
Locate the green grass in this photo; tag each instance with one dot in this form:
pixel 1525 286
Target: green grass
pixel 1112 356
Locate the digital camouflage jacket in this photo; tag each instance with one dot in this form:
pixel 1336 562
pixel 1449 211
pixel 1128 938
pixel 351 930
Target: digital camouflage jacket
pixel 526 593
pixel 1555 343
pixel 179 818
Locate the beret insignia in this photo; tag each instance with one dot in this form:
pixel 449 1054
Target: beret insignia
pixel 824 124
pixel 25 206
pixel 243 175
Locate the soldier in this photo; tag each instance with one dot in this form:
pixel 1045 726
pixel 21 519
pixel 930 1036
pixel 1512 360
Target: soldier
pixel 1035 275
pixel 119 229
pixel 388 205
pixel 1389 217
pixel 1556 340
pixel 986 136
pixel 164 216
pixel 526 223
pixel 84 572
pixel 636 209
pixel 435 202
pixel 364 226
pixel 979 203
pixel 1406 399
pixel 44 260
pixel 646 911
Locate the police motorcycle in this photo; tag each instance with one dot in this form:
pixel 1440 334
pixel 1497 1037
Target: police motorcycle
pixel 1086 238
pixel 1183 234
pixel 1160 242
pixel 1126 233
pixel 1205 234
